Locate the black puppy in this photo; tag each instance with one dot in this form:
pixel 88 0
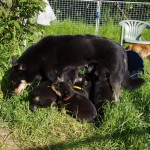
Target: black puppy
pixel 76 104
pixel 100 90
pixel 69 73
pixel 72 75
pixel 42 96
pixel 135 63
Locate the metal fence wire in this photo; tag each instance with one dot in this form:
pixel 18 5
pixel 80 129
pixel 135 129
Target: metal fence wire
pixel 100 12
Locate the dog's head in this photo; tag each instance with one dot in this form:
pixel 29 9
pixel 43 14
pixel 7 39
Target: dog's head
pixel 20 77
pixel 69 73
pixel 63 89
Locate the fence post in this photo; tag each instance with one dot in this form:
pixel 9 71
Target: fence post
pixel 98 15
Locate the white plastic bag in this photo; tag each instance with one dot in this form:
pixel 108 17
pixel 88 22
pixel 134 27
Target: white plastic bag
pixel 44 18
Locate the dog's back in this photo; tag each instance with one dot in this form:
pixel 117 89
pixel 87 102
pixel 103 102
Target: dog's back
pixel 102 90
pixel 142 49
pixel 72 75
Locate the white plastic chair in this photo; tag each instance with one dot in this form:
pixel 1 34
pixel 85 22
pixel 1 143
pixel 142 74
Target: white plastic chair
pixel 132 30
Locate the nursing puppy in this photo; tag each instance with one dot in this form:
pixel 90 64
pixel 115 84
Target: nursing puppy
pixel 75 103
pixel 42 96
pixel 142 49
pixel 102 90
pixel 98 82
pixel 68 73
pixel 73 75
pixel 50 55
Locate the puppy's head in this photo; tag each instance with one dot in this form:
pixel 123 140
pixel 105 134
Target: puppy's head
pixel 69 73
pixel 63 89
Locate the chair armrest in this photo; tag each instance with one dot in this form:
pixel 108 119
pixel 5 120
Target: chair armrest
pixel 148 25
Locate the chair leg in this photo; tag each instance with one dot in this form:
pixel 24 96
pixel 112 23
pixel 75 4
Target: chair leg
pixel 121 37
pixel 121 42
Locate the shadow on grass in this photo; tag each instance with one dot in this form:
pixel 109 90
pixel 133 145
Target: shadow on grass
pixel 5 84
pixel 122 136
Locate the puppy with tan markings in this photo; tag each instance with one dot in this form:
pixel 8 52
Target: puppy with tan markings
pixel 42 96
pixel 72 75
pixel 76 104
pixel 142 49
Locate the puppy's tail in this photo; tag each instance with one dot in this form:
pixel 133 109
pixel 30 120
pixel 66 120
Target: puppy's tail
pixel 131 84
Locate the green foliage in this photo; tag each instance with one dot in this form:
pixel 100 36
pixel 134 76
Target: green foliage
pixel 137 1
pixel 16 23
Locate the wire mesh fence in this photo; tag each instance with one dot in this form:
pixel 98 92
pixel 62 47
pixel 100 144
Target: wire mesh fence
pixel 99 12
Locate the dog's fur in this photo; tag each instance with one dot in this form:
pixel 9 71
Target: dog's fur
pixel 135 63
pixel 69 73
pixel 90 84
pixel 75 103
pixel 50 55
pixel 102 87
pixel 142 49
pixel 72 75
pixel 42 96
pixel 100 90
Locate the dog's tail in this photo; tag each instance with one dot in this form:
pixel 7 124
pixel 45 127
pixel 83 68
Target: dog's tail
pixel 131 84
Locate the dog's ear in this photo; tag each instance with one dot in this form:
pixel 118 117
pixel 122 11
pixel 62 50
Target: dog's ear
pixel 60 79
pixel 38 78
pixel 14 60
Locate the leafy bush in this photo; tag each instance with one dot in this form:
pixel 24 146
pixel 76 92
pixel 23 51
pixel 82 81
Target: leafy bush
pixel 16 22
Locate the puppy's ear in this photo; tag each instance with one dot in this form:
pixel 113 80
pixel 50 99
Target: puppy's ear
pixel 38 78
pixel 60 79
pixel 14 60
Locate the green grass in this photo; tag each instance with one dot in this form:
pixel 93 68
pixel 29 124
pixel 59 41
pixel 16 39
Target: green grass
pixel 125 125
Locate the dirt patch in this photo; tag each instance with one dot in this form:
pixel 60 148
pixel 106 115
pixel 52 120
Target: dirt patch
pixel 6 139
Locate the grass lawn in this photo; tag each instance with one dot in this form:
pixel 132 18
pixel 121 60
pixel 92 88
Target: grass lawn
pixel 125 126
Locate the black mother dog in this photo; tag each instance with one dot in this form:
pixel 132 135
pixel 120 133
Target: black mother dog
pixel 51 54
